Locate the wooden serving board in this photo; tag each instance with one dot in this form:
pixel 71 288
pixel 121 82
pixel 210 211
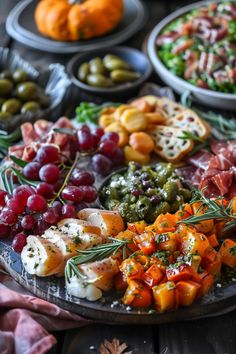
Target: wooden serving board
pixel 109 309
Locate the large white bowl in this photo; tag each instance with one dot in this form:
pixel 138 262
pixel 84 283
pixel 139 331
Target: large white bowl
pixel 210 98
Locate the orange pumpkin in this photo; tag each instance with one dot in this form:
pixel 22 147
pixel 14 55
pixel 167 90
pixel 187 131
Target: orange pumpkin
pixel 61 20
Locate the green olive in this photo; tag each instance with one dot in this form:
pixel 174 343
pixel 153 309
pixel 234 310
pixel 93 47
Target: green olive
pixel 27 91
pixel 165 169
pixel 143 207
pixel 83 71
pixel 170 191
pixel 160 180
pixel 96 66
pixel 115 63
pixel 185 193
pixel 30 106
pixel 98 80
pixel 4 115
pixel 124 75
pixel 19 76
pixel 6 74
pixel 43 100
pixel 11 106
pixel 6 87
pixel 2 100
pixel 162 208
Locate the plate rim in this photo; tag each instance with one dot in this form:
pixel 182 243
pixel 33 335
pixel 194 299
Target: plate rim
pixel 16 31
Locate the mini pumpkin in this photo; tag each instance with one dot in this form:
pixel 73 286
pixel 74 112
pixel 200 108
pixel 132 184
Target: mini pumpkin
pixel 72 21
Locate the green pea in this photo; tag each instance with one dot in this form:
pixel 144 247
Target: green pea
pixel 96 66
pixel 6 87
pixel 98 80
pixel 124 76
pixel 83 71
pixel 170 191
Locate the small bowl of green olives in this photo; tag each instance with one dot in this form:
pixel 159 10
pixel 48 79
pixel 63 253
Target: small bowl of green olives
pixel 116 73
pixel 25 93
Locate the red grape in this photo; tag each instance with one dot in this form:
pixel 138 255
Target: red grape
pixel 16 229
pixel 85 128
pixel 4 230
pixel 49 173
pixel 31 170
pixel 110 136
pixel 68 211
pixel 73 193
pixel 51 216
pixel 101 164
pixel 15 205
pixel 80 206
pixel 118 157
pixel 98 132
pixel 28 222
pixel 23 192
pixel 90 194
pixel 107 148
pixel 80 178
pixel 8 217
pixel 85 140
pixel 36 203
pixel 45 189
pixel 47 154
pixel 19 242
pixel 57 206
pixel 40 226
pixel 2 197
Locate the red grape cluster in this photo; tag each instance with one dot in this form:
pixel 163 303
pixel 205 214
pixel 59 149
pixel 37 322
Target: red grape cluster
pixel 102 146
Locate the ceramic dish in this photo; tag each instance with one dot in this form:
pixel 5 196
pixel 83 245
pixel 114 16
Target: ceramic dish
pixel 54 81
pixel 21 26
pixel 204 96
pixel 137 60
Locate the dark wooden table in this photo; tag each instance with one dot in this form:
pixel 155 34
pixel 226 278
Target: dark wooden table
pixel 206 336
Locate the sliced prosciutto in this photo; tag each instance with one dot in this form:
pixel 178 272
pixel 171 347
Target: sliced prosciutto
pixel 216 171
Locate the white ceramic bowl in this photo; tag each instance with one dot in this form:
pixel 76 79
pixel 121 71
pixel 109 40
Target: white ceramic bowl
pixel 210 98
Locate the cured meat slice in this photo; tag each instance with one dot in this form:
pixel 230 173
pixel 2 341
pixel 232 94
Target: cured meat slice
pixel 222 161
pixel 223 181
pixel 200 159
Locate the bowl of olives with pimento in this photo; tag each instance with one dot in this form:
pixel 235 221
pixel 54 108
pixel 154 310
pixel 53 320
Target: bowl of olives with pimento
pixel 116 73
pixel 26 94
pixel 143 192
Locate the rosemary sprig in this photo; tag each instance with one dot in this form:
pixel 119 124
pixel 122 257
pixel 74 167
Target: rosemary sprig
pixel 6 178
pixel 213 209
pixel 94 254
pixel 187 135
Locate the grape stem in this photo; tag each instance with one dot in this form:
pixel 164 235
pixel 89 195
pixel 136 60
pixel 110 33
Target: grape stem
pixel 57 196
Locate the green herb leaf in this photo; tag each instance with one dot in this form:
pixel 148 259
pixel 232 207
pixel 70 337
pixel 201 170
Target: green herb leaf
pixel 187 135
pixel 18 161
pixel 24 180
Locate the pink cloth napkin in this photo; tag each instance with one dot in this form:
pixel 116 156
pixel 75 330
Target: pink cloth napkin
pixel 25 320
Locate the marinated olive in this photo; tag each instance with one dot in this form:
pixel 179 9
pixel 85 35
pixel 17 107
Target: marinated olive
pixel 30 106
pixel 2 100
pixel 143 207
pixel 115 63
pixel 165 169
pixel 96 66
pixel 98 80
pixel 27 91
pixel 124 76
pixel 185 193
pixel 4 115
pixel 6 87
pixel 170 191
pixel 162 208
pixel 6 74
pixel 11 106
pixel 19 76
pixel 83 71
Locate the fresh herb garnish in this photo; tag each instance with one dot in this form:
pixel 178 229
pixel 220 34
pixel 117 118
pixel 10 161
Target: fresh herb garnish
pixel 93 254
pixel 187 135
pixel 89 112
pixel 6 140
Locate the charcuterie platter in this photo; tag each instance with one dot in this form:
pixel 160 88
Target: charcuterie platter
pixel 128 215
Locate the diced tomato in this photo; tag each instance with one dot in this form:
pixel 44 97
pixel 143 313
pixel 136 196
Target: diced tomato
pixel 120 281
pixel 129 236
pixel 167 241
pixel 187 290
pixel 194 243
pixel 152 276
pixel 228 252
pixel 185 213
pixel 137 295
pixel 209 256
pixel 214 268
pixel 146 242
pixel 182 272
pixel 207 283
